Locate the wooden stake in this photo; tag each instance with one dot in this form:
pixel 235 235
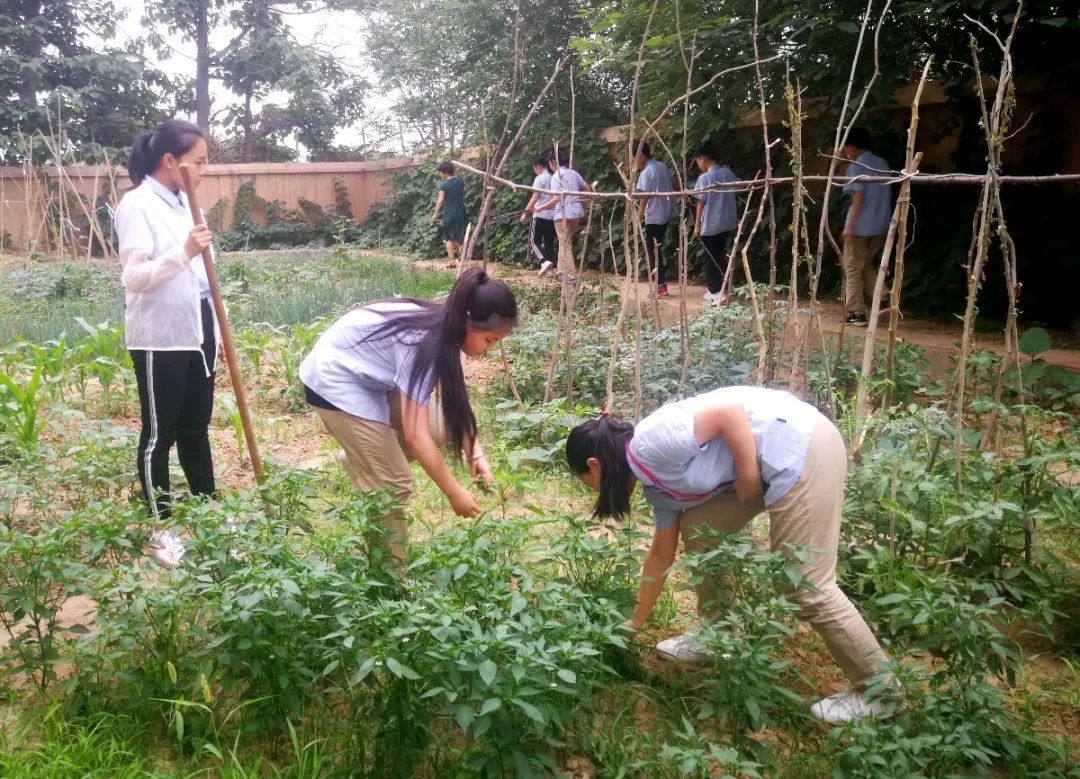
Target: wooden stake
pixel 226 333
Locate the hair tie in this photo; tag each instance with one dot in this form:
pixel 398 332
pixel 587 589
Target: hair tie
pixel 482 277
pixel 605 414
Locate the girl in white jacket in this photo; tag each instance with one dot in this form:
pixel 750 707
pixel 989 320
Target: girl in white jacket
pixel 170 327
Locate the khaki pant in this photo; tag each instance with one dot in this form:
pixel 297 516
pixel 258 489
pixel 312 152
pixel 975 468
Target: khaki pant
pixel 859 262
pixel 565 229
pixel 807 516
pixel 375 457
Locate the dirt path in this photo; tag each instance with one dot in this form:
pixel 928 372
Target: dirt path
pixel 940 340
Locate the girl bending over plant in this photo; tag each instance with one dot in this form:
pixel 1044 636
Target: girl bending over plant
pixel 717 460
pixel 371 378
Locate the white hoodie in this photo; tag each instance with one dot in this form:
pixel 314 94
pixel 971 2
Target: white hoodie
pixel 163 286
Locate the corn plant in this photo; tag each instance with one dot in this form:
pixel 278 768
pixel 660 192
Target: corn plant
pixel 236 422
pixel 253 344
pixel 19 408
pixel 298 341
pixel 54 357
pixel 103 356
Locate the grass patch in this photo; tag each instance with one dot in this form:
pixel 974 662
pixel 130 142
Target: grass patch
pixel 275 288
pixel 102 747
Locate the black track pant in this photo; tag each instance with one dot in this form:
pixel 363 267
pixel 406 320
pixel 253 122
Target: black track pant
pixel 542 240
pixel 654 244
pixel 716 251
pixel 176 398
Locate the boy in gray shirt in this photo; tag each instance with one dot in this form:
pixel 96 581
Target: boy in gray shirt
pixel 655 212
pixel 865 226
pixel 714 222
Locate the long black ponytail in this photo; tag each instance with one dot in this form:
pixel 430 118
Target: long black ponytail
pixel 175 137
pixel 476 300
pixel 605 439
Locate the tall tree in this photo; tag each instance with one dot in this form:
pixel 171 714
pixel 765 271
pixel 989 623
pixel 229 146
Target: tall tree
pixel 261 60
pixel 52 64
pixel 817 40
pixel 441 61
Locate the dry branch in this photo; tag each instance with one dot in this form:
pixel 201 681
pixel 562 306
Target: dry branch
pixel 911 164
pixel 492 174
pixel 995 123
pixel 899 177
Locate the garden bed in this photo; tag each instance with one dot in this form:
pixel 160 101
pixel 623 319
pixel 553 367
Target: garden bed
pixel 286 644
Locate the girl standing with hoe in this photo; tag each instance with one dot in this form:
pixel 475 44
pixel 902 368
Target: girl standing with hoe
pixel 717 460
pixel 169 326
pixel 371 379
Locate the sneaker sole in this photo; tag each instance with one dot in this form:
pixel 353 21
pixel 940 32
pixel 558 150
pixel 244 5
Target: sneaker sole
pixel 165 561
pixel 671 658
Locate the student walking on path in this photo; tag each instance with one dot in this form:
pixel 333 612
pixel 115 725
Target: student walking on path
pixel 715 220
pixel 654 212
pixel 373 377
pixel 542 229
pixel 169 323
pixel 451 202
pixel 567 209
pixel 717 460
pixel 865 226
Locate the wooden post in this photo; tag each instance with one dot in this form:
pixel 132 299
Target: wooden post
pixel 226 334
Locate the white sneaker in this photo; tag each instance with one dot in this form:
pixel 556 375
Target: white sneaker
pixel 848 706
pixel 167 548
pixel 710 298
pixel 545 266
pixel 721 300
pixel 686 648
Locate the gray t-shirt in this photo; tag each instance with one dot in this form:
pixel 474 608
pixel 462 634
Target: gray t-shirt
pixel 567 180
pixel 721 213
pixel 677 474
pixel 543 181
pixel 876 212
pixel 655 177
pixel 357 375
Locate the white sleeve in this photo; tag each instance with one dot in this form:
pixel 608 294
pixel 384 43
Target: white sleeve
pixel 143 271
pixel 665 439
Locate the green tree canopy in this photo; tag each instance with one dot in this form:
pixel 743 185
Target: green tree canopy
pixel 443 61
pixel 57 77
pixel 283 89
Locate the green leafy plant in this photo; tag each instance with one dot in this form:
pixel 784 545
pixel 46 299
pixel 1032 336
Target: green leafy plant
pixel 19 407
pixel 748 636
pixel 102 354
pixel 42 569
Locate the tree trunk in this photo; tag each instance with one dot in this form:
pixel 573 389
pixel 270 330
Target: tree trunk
pixel 202 66
pixel 247 148
pixel 30 51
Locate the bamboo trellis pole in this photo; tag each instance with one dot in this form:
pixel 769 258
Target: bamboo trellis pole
pixel 226 334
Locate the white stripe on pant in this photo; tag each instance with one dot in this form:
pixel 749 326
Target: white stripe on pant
pixel 151 445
